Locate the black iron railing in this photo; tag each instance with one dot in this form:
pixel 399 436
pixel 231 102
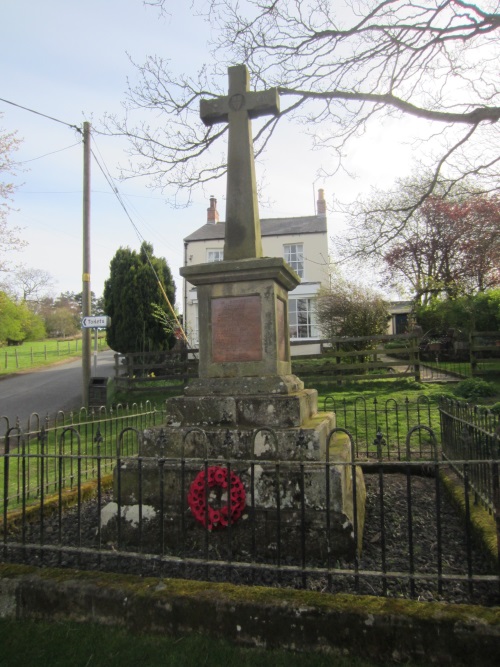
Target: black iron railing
pixel 253 521
pixel 375 423
pixel 33 451
pixel 472 433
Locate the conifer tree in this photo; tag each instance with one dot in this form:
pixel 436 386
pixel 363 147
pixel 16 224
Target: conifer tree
pixel 129 294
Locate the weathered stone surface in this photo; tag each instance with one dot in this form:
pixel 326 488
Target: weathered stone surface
pixel 312 497
pixel 272 411
pixel 307 442
pixel 384 630
pixel 243 270
pixel 243 237
pixel 277 411
pixel 238 386
pixel 201 411
pixel 248 298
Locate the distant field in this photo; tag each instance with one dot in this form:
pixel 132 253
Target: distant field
pixel 40 353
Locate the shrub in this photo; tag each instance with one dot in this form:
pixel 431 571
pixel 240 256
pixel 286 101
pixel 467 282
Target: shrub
pixel 474 388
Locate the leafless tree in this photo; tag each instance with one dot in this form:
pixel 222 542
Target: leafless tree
pixel 31 284
pixel 9 236
pixel 340 68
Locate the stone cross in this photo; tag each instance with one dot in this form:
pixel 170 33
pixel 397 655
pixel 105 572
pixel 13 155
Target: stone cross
pixel 243 239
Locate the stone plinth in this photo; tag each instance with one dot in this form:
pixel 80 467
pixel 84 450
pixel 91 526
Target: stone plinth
pixel 244 386
pixel 274 441
pixel 251 411
pixel 243 317
pixel 316 503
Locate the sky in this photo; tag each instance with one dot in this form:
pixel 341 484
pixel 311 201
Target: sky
pixel 70 60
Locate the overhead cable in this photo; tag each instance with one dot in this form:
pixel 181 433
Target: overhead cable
pixel 113 187
pixel 39 113
pixel 60 150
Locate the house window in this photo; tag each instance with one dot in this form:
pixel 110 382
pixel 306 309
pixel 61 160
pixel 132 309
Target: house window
pixel 215 255
pixel 294 255
pixel 302 318
pixel 193 329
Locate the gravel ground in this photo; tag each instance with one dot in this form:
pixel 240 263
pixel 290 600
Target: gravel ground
pixel 383 551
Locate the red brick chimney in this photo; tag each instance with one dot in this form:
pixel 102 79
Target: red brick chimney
pixel 212 212
pixel 321 203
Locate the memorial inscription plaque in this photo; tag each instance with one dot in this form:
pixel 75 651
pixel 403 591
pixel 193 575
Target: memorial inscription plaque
pixel 236 329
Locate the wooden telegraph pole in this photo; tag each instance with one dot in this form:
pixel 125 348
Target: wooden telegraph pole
pixel 86 300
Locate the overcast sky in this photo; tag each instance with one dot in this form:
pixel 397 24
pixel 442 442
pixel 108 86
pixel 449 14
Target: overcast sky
pixel 68 60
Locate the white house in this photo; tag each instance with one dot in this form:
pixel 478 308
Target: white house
pixel 302 241
pixel 400 316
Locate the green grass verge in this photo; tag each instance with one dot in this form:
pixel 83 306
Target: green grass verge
pixel 484 367
pixel 382 390
pixel 37 354
pixel 36 644
pixel 59 472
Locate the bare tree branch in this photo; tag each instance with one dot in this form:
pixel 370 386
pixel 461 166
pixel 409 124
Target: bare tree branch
pixel 9 236
pixel 341 69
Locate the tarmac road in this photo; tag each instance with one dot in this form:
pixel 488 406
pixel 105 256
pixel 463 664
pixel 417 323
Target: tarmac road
pixel 47 390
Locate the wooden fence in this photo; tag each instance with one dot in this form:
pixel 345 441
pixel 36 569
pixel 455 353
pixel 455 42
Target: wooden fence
pixel 484 353
pixel 135 371
pixel 353 358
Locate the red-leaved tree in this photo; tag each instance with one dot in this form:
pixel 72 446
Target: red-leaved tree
pixel 451 248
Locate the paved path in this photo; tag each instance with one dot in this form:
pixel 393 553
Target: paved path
pixel 47 390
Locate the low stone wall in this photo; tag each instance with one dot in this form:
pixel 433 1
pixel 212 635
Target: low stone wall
pixel 390 630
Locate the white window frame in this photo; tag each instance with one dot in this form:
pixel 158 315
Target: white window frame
pixel 215 254
pixel 293 254
pixel 194 332
pixel 302 318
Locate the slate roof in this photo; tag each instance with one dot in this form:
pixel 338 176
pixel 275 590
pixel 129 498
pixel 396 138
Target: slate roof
pixel 312 224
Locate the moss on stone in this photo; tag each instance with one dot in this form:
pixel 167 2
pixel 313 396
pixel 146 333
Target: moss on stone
pixel 262 596
pixel 482 523
pixel 316 420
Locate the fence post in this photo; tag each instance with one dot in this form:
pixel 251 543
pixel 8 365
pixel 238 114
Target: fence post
pixel 117 365
pixel 338 360
pixel 472 356
pixel 415 356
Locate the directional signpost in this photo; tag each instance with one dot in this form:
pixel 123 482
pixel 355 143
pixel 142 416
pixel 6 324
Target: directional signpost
pixel 96 322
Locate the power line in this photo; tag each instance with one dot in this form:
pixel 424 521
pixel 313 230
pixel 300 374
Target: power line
pixel 113 187
pixel 39 113
pixel 60 150
pixel 124 202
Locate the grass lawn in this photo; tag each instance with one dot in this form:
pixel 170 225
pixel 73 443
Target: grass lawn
pixel 35 354
pixel 30 644
pixel 365 408
pixel 484 367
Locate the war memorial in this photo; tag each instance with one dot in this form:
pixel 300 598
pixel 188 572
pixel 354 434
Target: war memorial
pixel 153 525
pixel 247 413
